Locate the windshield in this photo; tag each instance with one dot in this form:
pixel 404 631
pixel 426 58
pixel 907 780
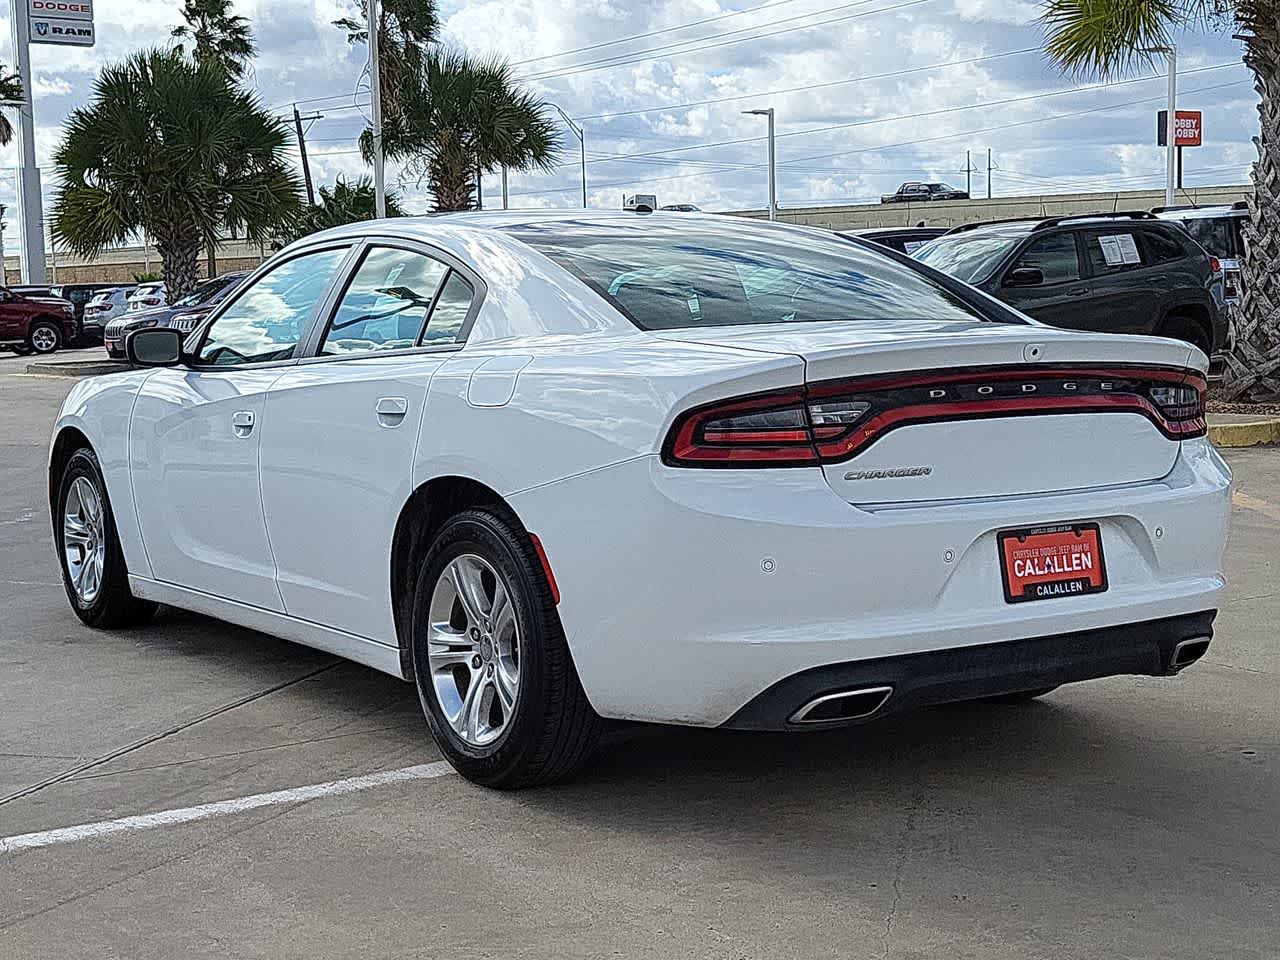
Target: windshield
pixel 971 257
pixel 203 293
pixel 724 272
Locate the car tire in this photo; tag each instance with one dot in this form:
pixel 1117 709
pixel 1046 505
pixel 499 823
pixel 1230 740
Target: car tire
pixel 21 349
pixel 82 494
pixel 497 681
pixel 44 337
pixel 1187 330
pixel 1022 696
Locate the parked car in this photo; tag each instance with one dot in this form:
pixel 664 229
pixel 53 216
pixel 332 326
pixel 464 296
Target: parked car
pixel 681 208
pixel 148 296
pixel 557 467
pixel 105 306
pixel 35 324
pixel 916 192
pixel 1219 230
pixel 80 295
pixel 903 239
pixel 1116 272
pixel 182 315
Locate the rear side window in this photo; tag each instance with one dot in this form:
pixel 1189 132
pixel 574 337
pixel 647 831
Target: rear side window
pixel 1112 251
pixel 722 272
pixel 1218 235
pixel 387 303
pixel 1163 247
pixel 1054 256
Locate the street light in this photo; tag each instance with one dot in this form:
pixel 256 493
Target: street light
pixel 1171 150
pixel 582 148
pixel 773 170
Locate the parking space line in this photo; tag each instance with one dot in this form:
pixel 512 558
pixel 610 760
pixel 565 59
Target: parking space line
pixel 1257 505
pixel 221 808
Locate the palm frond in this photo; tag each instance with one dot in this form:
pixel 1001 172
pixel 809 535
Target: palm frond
pixel 1112 37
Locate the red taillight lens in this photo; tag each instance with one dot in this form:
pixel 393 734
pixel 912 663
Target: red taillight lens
pixel 1215 264
pixel 766 430
pixel 833 422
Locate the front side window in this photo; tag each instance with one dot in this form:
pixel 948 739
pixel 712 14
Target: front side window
pixel 720 273
pixel 386 305
pixel 267 320
pixel 1055 257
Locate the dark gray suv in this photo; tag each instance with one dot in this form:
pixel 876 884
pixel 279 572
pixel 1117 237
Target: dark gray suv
pixel 1119 272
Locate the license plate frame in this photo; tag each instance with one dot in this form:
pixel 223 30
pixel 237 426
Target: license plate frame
pixel 1075 579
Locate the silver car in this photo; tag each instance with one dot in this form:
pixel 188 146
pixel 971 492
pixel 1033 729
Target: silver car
pixel 105 305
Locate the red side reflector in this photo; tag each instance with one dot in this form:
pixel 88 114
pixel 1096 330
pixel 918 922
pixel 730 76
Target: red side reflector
pixel 546 567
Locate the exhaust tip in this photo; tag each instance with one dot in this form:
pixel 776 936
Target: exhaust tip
pixel 856 704
pixel 1188 652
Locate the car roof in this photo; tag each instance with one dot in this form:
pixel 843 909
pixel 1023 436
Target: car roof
pixel 1201 213
pixel 886 231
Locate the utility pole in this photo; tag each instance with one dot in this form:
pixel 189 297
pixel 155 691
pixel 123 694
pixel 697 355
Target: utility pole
pixel 30 205
pixel 302 151
pixel 504 186
pixel 375 85
pixel 988 173
pixel 4 263
pixel 968 174
pixel 773 157
pixel 1171 150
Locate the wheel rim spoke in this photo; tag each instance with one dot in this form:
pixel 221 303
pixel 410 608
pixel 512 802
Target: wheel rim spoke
pixel 84 539
pixel 472 649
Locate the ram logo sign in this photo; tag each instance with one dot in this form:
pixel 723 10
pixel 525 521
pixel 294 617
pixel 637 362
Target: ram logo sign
pixel 62 22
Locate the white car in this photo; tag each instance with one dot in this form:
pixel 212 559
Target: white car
pixel 680 468
pixel 148 296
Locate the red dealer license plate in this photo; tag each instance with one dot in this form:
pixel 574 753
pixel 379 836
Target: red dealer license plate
pixel 1040 563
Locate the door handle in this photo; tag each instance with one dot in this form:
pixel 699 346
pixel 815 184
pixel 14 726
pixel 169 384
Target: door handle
pixel 1158 279
pixel 391 411
pixel 242 423
pixel 1078 291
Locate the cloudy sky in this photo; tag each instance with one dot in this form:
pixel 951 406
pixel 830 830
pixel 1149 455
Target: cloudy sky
pixel 867 94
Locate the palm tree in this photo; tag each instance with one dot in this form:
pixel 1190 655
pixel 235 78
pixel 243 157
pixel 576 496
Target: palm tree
pixel 10 92
pixel 406 27
pixel 460 117
pixel 1111 36
pixel 174 148
pixel 345 203
pixel 217 35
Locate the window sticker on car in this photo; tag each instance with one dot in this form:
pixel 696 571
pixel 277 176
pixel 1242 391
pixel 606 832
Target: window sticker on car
pixel 1119 249
pixel 911 246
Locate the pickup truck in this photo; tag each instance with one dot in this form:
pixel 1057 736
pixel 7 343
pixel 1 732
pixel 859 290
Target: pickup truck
pixel 915 191
pixel 35 324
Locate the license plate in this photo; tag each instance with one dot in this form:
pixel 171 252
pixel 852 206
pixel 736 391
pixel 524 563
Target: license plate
pixel 1040 563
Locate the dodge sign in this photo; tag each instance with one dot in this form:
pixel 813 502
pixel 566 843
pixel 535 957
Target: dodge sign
pixel 66 22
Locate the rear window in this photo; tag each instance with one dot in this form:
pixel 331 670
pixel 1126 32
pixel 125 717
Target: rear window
pixel 722 273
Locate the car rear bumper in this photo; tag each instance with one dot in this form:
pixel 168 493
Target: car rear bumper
pixel 862 690
pixel 685 594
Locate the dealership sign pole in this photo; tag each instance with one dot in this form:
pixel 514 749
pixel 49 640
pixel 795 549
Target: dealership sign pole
pixel 61 22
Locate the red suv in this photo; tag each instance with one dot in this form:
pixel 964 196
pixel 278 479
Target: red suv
pixel 32 324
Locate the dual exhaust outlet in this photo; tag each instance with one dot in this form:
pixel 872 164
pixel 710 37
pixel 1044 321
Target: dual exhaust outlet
pixel 862 703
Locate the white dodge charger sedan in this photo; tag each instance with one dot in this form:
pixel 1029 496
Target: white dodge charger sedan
pixel 554 468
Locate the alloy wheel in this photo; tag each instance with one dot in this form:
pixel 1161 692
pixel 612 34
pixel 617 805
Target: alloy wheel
pixel 84 542
pixel 44 339
pixel 473 649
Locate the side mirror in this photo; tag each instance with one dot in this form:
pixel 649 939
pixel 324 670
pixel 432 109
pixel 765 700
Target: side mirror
pixel 154 347
pixel 1024 277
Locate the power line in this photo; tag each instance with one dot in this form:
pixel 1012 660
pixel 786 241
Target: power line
pixel 927 113
pixel 811 86
pixel 654 33
pixel 655 53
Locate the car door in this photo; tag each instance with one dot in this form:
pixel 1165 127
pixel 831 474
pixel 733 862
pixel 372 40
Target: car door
pixel 342 426
pixel 1056 297
pixel 1124 286
pixel 195 432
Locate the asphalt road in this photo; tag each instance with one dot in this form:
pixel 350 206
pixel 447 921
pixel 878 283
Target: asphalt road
pixel 1120 818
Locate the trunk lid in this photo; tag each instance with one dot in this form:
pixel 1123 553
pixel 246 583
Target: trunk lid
pixel 957 410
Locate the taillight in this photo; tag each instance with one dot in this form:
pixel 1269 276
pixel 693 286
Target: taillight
pixel 1215 264
pixel 836 421
pixel 765 430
